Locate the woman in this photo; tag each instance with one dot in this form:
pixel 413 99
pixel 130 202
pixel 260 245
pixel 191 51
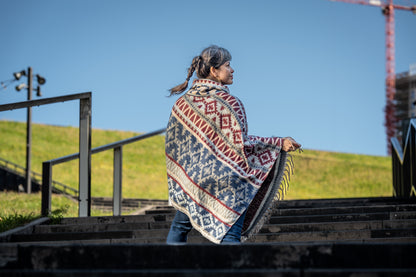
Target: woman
pixel 222 181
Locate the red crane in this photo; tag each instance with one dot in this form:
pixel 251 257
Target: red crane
pixel 388 8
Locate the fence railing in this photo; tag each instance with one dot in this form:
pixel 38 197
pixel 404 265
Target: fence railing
pixel 117 174
pixel 84 147
pixel 404 163
pixel 57 187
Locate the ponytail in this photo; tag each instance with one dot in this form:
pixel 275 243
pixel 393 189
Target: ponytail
pixel 182 87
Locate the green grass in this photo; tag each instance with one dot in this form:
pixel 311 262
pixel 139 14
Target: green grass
pixel 321 174
pixel 15 220
pixel 318 174
pixel 144 174
pixel 20 208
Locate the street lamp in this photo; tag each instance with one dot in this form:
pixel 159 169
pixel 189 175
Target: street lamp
pixel 29 86
pixel 18 75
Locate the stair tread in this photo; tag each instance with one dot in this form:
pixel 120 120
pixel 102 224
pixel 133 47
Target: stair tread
pixel 118 219
pixel 342 234
pixel 264 255
pixel 343 217
pixel 353 225
pixel 267 228
pixel 346 209
pixel 71 236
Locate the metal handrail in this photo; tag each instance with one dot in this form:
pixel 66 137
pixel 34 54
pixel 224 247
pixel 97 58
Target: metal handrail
pixel 404 163
pixel 45 101
pixel 57 186
pixel 84 194
pixel 117 166
pixel 107 147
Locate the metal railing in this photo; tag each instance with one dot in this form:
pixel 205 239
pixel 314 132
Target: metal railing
pixel 84 147
pixel 85 210
pixel 404 163
pixel 57 187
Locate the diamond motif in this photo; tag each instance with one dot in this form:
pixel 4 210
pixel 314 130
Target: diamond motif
pixel 211 108
pixel 223 183
pixel 206 220
pixel 237 137
pixel 196 158
pixel 207 171
pixel 226 121
pixel 265 158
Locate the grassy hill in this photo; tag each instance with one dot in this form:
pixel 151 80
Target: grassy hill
pixel 143 162
pixel 318 174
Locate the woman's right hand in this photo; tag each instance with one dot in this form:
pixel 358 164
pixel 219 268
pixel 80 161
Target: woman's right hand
pixel 289 144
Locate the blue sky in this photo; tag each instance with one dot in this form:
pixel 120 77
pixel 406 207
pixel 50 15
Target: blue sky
pixel 310 69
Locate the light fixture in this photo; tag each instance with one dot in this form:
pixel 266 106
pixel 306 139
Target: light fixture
pixel 38 92
pixel 20 87
pixel 18 75
pixel 40 79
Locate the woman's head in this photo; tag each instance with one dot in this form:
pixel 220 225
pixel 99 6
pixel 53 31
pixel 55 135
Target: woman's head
pixel 210 59
pixel 212 56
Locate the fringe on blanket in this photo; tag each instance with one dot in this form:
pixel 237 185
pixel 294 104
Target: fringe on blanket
pixel 279 188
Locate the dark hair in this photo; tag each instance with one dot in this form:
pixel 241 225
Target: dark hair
pixel 212 56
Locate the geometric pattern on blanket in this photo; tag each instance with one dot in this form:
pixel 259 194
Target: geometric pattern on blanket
pixel 214 167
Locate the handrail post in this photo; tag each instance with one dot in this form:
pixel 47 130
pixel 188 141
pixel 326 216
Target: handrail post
pixel 404 163
pixel 84 152
pixel 412 159
pixel 117 180
pixel 85 158
pixel 46 188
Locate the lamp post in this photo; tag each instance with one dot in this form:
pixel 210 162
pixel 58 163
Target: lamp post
pixel 29 87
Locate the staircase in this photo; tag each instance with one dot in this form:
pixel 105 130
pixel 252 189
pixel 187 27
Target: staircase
pixel 13 178
pixel 332 237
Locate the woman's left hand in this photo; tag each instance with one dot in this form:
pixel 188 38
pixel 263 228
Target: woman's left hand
pixel 289 144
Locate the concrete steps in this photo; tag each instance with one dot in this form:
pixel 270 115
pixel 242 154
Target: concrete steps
pixel 331 237
pixel 287 224
pixel 273 259
pixel 128 204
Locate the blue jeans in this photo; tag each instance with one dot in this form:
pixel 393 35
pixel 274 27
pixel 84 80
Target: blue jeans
pixel 181 226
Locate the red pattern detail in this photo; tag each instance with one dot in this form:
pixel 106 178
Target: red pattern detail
pixel 237 107
pixel 265 158
pixel 238 134
pixel 241 166
pixel 226 121
pixel 211 107
pixel 237 137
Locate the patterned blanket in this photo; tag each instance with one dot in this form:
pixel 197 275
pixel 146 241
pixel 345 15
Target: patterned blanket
pixel 216 171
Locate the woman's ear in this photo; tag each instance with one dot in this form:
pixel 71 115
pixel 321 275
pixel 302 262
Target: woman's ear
pixel 213 72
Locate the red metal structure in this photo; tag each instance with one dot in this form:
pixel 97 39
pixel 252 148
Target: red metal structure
pixel 388 8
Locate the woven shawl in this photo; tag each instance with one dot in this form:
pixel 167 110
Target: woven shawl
pixel 216 171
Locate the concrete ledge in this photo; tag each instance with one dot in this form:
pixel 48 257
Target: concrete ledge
pixel 219 272
pixel 215 257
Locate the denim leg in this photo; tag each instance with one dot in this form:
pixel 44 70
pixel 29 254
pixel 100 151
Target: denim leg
pixel 181 225
pixel 234 234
